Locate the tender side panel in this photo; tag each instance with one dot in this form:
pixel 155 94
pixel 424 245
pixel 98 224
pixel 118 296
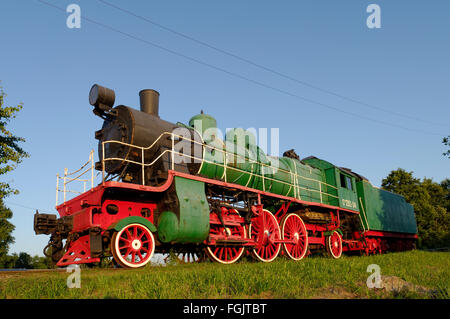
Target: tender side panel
pixel 385 211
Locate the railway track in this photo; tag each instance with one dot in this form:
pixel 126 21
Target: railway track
pixel 30 271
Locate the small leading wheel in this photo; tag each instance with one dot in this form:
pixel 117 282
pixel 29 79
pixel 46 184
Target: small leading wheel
pixel 265 230
pixel 333 244
pixel 222 253
pixel 133 246
pixel 293 229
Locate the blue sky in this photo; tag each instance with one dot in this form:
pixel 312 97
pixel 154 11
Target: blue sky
pixel 402 67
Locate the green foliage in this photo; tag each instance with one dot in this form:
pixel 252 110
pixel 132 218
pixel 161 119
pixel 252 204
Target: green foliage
pixel 431 203
pixel 25 261
pixel 446 185
pixel 11 154
pixel 8 262
pixel 6 229
pixel 446 141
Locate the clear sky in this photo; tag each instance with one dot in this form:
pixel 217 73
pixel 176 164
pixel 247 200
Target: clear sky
pixel 402 67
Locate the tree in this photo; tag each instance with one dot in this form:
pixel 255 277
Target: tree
pixel 9 261
pixel 42 262
pixel 25 261
pixel 446 142
pixel 431 202
pixel 6 229
pixel 11 154
pixel 446 185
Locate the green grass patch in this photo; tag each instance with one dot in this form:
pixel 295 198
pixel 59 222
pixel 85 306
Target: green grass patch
pixel 313 277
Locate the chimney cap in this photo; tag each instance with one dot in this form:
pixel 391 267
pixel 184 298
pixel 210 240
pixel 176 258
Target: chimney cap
pixel 148 90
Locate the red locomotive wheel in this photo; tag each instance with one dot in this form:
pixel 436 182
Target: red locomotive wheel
pixel 133 246
pixel 293 228
pixel 333 244
pixel 226 254
pixel 265 230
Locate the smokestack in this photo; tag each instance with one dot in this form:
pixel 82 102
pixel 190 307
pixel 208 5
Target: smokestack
pixel 149 102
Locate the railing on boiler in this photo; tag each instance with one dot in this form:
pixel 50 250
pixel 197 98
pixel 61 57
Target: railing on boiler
pixel 172 152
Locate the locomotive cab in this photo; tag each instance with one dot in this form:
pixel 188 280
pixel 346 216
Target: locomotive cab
pixel 347 189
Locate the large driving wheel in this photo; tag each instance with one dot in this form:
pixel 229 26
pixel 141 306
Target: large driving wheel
pixel 293 229
pixel 133 246
pixel 227 253
pixel 264 230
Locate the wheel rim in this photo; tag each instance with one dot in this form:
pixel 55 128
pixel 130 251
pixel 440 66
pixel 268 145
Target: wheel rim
pixel 294 229
pixel 266 250
pixel 133 246
pixel 222 253
pixel 334 245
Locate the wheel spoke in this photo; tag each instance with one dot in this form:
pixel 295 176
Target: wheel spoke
pixel 127 253
pixel 125 240
pixel 123 247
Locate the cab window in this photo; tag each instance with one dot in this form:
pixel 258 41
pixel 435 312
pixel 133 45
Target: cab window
pixel 349 183
pixel 346 182
pixel 342 180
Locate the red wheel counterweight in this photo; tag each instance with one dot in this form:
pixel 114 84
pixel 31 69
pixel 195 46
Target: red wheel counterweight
pixel 293 229
pixel 265 231
pixel 133 246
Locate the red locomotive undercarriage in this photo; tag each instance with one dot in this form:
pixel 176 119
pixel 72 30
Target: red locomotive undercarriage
pixel 88 222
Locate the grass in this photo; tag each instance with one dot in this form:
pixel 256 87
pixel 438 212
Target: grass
pixel 313 277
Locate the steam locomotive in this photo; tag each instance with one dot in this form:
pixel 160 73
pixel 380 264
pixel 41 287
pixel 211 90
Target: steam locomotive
pixel 179 188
